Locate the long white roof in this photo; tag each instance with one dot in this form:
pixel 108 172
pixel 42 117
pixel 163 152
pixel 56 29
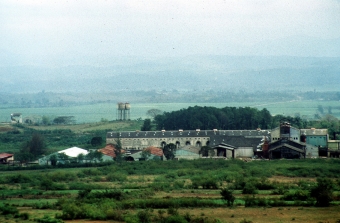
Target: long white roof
pixel 74 151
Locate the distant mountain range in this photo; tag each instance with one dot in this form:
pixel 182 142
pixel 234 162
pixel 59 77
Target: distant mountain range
pixel 225 73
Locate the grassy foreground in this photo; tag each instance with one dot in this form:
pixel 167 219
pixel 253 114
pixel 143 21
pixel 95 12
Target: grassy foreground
pixel 171 191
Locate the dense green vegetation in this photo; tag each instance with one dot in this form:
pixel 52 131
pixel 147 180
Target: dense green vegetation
pixel 18 137
pixel 25 139
pixel 130 191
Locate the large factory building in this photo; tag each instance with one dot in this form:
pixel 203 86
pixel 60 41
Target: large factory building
pixel 282 142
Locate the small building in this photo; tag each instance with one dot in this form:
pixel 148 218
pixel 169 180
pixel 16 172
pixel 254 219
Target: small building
pixel 334 148
pixel 285 143
pixel 149 153
pixel 318 138
pixel 72 153
pixel 16 118
pixel 6 158
pixel 186 153
pixel 109 152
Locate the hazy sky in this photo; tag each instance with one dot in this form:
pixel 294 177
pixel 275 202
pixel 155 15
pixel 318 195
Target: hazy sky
pixel 62 32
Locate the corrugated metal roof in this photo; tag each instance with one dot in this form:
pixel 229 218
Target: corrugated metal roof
pixel 313 131
pixel 288 146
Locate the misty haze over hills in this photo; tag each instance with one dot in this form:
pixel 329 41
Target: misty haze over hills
pixel 96 50
pixel 222 73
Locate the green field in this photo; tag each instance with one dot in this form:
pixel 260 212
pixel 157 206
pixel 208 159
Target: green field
pixel 155 191
pixel 96 112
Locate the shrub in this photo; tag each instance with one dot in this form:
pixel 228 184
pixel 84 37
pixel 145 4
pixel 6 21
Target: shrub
pixel 48 219
pixel 264 184
pixel 24 216
pixel 131 219
pixel 178 184
pixel 90 172
pixel 175 219
pixel 18 179
pixel 116 177
pixel 172 211
pixel 182 173
pixel 227 195
pixel 250 201
pixel 239 183
pixel 110 194
pixel 144 216
pixel 159 186
pixel 278 191
pixel 116 215
pixel 64 176
pixel 249 188
pixel 171 175
pixel 206 182
pixel 71 211
pixel 83 193
pixel 300 195
pixel 6 209
pixel 323 192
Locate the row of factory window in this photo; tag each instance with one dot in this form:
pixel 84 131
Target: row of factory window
pixel 294 138
pixel 166 139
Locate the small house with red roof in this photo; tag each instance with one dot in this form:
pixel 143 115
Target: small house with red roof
pixel 109 152
pixel 6 158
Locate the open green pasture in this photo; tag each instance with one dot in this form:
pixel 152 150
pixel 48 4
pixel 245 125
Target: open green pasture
pixel 107 111
pixel 189 190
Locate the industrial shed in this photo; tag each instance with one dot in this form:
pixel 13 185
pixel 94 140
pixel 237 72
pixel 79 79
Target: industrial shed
pixel 154 154
pixel 186 154
pixel 72 152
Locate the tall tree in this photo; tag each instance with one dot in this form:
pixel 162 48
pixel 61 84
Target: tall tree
pixel 169 151
pixel 153 112
pixel 23 157
pixel 36 146
pixel 96 141
pixel 53 159
pixel 118 150
pixel 64 120
pixel 146 125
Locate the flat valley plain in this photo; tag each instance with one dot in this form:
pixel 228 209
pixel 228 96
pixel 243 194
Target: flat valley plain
pixel 89 113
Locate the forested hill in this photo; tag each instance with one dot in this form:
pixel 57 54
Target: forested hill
pixel 232 118
pixel 209 72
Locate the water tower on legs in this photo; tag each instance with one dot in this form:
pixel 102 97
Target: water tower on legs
pixel 127 111
pixel 123 111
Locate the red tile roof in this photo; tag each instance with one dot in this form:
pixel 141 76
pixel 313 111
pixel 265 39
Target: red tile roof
pixel 5 155
pixel 109 150
pixel 154 151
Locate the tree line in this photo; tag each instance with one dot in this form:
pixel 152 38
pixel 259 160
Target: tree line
pixel 215 118
pixel 232 118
